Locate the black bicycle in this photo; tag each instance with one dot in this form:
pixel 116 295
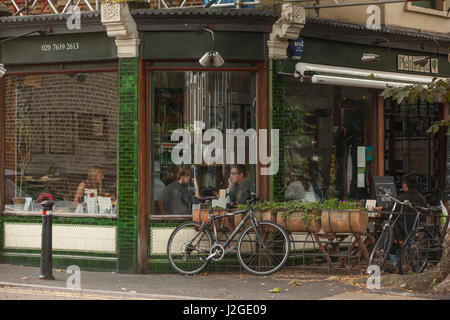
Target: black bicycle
pixel 383 245
pixel 262 248
pixel 422 248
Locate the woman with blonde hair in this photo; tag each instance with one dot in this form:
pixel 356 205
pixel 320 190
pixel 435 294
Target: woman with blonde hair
pixel 94 181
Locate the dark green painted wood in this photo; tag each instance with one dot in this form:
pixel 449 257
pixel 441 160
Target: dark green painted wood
pixel 58 48
pixel 192 45
pixel 345 54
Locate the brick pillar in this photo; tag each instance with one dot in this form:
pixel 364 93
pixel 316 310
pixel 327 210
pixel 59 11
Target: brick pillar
pixel 128 165
pixel 277 122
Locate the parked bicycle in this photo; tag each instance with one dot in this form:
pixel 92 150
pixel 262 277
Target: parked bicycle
pixel 422 248
pixel 262 248
pixel 415 251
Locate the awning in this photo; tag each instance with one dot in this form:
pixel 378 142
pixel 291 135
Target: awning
pixel 353 77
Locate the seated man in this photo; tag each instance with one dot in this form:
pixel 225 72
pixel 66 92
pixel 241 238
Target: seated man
pixel 405 222
pixel 177 196
pixel 238 185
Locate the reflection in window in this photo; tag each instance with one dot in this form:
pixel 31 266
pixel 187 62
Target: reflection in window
pixel 321 154
pixel 219 100
pixel 61 139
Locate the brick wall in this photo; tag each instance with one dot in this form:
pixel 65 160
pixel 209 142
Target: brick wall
pixel 73 120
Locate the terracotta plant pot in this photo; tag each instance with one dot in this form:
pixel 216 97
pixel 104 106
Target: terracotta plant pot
pixel 238 218
pixel 222 225
pixel 295 222
pixel 345 221
pixel 266 215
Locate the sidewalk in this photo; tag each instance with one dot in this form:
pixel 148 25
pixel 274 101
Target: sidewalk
pixel 293 284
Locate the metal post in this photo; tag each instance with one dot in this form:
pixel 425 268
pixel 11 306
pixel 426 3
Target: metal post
pixel 46 244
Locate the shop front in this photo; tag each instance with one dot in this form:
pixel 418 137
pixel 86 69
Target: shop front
pixel 59 132
pixel 345 132
pixel 89 117
pixel 182 94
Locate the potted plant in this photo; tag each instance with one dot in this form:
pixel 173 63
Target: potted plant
pixel 267 211
pixel 300 217
pixel 344 216
pixel 24 140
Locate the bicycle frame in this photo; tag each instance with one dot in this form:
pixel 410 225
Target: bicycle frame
pixel 248 216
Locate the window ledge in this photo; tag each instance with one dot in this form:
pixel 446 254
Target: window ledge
pixel 60 214
pixel 171 217
pixel 434 12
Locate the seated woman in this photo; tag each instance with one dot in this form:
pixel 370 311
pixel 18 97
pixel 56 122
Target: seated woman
pixel 94 181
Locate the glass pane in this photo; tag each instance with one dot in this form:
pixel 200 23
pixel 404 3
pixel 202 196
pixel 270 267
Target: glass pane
pixel 183 100
pixel 61 139
pixel 320 155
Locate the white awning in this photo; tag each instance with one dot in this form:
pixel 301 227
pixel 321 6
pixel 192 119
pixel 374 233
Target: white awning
pixel 358 77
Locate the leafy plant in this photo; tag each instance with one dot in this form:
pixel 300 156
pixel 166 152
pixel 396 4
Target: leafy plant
pixel 336 204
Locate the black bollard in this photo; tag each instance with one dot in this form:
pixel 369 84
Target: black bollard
pixel 46 244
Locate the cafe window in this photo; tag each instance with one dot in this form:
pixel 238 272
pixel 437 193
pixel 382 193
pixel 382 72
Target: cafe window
pixel 215 100
pixel 408 148
pixel 324 126
pixel 61 139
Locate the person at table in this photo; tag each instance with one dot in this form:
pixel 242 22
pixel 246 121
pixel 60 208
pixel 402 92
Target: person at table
pixel 177 196
pixel 93 181
pixel 239 185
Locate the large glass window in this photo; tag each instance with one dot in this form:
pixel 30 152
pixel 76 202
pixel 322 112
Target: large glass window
pixel 408 147
pixel 214 100
pixel 324 126
pixel 61 139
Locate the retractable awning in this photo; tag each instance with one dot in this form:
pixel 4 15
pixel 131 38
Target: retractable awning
pixel 353 77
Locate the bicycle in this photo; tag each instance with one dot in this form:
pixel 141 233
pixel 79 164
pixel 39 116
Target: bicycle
pixel 262 248
pixel 423 246
pixel 383 245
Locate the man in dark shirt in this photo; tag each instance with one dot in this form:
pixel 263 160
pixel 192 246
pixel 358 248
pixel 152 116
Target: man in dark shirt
pixel 405 223
pixel 406 220
pixel 177 195
pixel 238 185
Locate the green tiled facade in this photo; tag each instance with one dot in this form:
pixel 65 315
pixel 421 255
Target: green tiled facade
pixel 277 122
pixel 92 261
pixel 127 164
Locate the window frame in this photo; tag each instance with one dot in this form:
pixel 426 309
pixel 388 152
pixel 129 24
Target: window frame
pixel 256 69
pixel 26 70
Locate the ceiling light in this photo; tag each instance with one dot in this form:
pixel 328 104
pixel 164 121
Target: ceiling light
pixel 211 57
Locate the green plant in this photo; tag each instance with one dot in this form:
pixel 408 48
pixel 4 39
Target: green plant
pixel 336 204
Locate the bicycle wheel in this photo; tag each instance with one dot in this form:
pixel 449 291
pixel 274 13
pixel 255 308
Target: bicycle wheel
pixel 382 248
pixel 188 248
pixel 268 258
pixel 415 251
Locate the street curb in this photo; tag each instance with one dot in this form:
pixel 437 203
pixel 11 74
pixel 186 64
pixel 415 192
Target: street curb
pixel 121 293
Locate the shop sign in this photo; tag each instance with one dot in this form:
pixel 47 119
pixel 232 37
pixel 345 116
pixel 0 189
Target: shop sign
pixel 296 48
pixel 60 48
pixel 406 63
